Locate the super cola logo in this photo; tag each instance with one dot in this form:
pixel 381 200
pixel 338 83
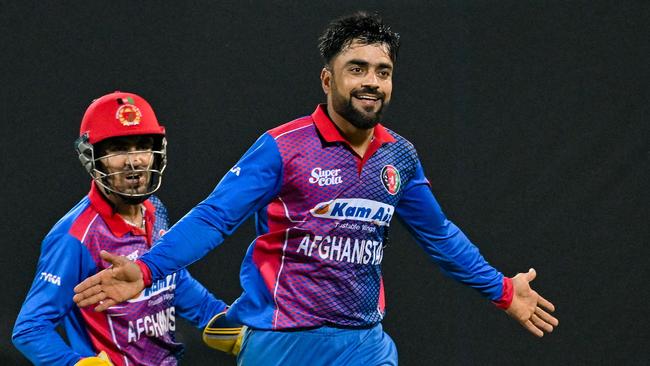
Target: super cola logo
pixel 325 177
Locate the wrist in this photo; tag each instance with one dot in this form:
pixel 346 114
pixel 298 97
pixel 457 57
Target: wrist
pixel 146 272
pixel 506 294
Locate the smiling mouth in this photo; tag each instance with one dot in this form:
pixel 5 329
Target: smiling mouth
pixel 368 102
pixel 367 97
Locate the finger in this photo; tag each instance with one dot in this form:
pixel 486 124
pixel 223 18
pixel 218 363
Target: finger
pixel 545 304
pixel 541 324
pixel 547 317
pixel 531 274
pixel 87 293
pixel 91 300
pixel 105 304
pixel 89 282
pixel 111 258
pixel 532 328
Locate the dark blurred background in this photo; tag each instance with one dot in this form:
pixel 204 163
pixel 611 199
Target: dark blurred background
pixel 531 119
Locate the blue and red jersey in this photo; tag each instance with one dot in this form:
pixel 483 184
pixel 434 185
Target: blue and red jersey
pixel 322 216
pixel 136 332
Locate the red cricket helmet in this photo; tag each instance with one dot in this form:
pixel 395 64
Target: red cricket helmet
pixel 120 114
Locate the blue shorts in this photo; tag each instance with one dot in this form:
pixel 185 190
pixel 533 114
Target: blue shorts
pixel 324 346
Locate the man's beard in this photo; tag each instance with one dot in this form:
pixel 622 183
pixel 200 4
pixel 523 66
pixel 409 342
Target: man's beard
pixel 358 118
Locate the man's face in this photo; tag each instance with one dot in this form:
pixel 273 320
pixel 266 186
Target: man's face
pixel 359 83
pixel 126 161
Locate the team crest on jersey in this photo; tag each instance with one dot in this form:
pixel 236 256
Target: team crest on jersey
pixel 391 179
pixel 128 115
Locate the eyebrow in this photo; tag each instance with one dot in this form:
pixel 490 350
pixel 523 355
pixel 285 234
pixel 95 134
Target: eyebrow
pixel 359 62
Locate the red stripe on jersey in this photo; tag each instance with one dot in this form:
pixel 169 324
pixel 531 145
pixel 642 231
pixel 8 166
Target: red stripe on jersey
pixel 100 334
pixel 290 126
pixel 80 225
pixel 149 219
pixel 382 299
pixel 267 254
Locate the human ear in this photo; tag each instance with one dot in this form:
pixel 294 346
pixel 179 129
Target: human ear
pixel 325 78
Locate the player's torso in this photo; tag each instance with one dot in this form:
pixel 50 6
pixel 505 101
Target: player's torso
pixel 141 329
pixel 330 226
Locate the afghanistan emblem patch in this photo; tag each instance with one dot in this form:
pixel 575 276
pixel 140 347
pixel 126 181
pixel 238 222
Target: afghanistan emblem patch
pixel 128 115
pixel 390 179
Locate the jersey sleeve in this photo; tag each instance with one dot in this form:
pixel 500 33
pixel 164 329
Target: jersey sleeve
pixel 247 187
pixel 443 241
pixel 63 263
pixel 194 302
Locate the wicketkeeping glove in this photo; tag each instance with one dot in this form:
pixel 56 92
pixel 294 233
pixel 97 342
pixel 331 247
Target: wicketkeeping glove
pixel 100 360
pixel 224 335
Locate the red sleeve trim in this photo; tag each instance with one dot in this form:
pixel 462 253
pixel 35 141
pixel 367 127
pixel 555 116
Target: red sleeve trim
pixel 146 272
pixel 507 294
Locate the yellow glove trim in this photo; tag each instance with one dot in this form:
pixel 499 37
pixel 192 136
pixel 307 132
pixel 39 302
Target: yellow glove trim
pixel 220 335
pixel 101 359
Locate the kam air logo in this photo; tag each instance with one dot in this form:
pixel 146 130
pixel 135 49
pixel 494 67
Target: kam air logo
pixel 128 114
pixel 358 209
pixel 167 284
pixel 391 179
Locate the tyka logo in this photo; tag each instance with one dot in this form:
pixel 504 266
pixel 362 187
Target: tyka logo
pixel 325 177
pixel 391 179
pixel 53 279
pixel 236 170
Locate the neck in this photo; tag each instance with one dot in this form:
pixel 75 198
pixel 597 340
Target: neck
pixel 132 214
pixel 129 212
pixel 358 138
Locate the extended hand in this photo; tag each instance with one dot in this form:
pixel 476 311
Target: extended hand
pixel 111 286
pixel 529 308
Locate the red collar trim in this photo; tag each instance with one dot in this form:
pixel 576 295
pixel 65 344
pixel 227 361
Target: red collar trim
pixel 114 221
pixel 330 133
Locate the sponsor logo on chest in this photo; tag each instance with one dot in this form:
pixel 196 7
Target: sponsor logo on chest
pixel 133 256
pixel 168 284
pixel 325 177
pixel 358 209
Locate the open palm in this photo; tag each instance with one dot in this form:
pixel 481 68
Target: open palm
pixel 111 286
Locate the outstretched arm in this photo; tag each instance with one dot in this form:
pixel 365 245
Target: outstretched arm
pixel 240 193
pixel 461 260
pixel 529 308
pixel 121 281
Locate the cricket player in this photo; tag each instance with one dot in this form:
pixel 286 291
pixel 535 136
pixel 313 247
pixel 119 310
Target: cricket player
pixel 325 188
pixel 123 148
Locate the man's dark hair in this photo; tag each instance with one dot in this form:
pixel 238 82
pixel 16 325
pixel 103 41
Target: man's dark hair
pixel 367 28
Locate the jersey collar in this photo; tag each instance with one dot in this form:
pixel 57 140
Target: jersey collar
pixel 114 221
pixel 330 133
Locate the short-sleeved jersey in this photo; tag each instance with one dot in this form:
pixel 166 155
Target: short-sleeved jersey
pixel 137 332
pixel 322 214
